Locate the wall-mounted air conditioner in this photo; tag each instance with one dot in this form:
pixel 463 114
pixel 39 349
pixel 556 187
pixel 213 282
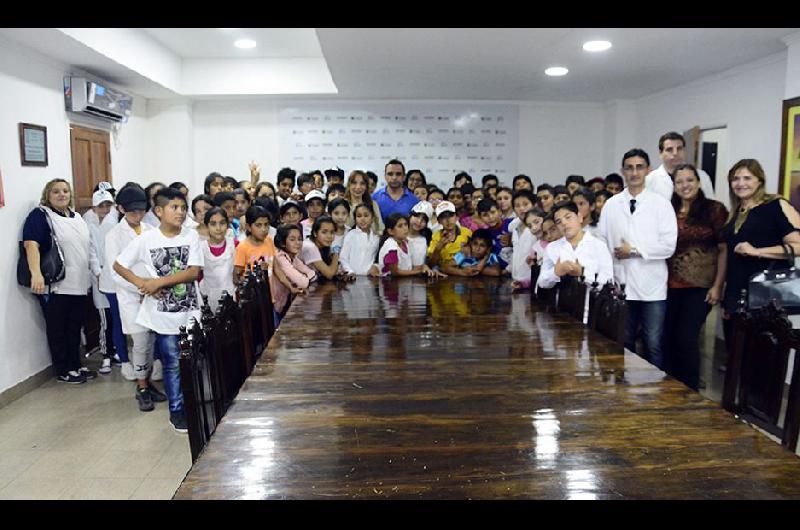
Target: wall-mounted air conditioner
pixel 89 97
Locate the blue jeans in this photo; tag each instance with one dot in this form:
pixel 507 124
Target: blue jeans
pixel 170 353
pixel 650 316
pixel 117 336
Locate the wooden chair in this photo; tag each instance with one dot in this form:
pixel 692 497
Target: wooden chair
pixel 757 364
pixel 197 384
pixel 608 312
pixel 228 350
pixel 572 296
pixel 266 320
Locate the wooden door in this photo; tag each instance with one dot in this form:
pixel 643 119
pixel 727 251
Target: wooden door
pixel 692 137
pixel 91 163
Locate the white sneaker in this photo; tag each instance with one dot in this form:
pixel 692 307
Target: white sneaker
pixel 158 371
pixel 127 371
pixel 105 368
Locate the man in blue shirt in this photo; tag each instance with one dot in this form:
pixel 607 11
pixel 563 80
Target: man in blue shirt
pixel 394 197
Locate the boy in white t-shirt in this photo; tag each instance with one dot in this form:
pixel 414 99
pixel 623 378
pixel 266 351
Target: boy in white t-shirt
pixel 173 258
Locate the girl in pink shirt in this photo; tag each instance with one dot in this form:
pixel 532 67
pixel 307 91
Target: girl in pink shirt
pixel 290 276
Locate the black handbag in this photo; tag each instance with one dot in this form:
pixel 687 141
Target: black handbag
pixel 780 285
pixel 51 263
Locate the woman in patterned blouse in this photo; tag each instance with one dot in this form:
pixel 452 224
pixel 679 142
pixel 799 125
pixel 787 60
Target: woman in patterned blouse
pixel 696 273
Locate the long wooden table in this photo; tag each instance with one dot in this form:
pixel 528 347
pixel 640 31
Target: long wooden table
pixel 456 389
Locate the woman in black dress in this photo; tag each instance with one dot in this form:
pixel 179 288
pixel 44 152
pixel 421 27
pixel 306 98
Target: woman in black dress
pixel 758 225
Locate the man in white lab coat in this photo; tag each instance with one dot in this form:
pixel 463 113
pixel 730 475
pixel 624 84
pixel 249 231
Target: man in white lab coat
pixel 672 150
pixel 641 230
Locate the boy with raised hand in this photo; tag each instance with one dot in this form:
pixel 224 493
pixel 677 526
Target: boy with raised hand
pixel 172 258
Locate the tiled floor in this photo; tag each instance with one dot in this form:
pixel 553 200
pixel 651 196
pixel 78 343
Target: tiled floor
pixel 89 441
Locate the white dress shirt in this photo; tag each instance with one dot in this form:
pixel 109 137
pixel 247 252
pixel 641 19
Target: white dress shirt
pixel 653 230
pixel 660 182
pixel 358 251
pixel 590 252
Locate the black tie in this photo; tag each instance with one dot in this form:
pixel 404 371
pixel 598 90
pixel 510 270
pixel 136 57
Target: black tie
pixel 633 205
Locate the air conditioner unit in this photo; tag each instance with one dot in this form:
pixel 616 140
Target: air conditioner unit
pixel 89 97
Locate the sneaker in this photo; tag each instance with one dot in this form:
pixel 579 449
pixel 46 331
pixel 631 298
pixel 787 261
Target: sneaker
pixel 105 368
pixel 145 402
pixel 178 421
pixel 157 395
pixel 158 371
pixel 115 360
pixel 72 378
pixel 88 374
pixel 127 371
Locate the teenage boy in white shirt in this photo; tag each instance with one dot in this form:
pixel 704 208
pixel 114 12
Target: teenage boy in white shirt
pixel 672 150
pixel 172 257
pixel 577 254
pixel 640 230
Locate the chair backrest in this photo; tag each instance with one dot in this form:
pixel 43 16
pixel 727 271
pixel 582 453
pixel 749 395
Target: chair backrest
pixel 758 360
pixel 546 298
pixel 572 296
pixel 197 384
pixel 266 320
pixel 228 349
pixel 608 311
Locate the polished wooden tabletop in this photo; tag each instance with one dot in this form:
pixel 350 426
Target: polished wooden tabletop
pixel 458 389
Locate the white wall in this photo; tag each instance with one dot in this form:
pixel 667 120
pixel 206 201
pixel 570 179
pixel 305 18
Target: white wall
pixel 31 88
pixel 792 66
pixel 747 99
pixel 229 134
pixel 170 143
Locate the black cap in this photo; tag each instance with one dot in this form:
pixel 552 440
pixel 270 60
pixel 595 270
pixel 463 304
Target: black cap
pixel 338 172
pixel 132 197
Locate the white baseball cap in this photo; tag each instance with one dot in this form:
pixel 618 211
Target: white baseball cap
pixel 314 194
pixel 101 196
pixel 423 207
pixel 445 206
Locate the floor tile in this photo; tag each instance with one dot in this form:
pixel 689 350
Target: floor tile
pixel 60 464
pixel 102 488
pixel 14 463
pixel 174 464
pixel 156 488
pixel 123 464
pixel 36 489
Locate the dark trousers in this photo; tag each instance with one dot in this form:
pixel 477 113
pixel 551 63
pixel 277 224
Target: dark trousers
pixel 64 316
pixel 686 313
pixel 649 316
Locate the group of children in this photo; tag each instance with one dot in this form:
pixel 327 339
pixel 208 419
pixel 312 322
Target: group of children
pixel 154 255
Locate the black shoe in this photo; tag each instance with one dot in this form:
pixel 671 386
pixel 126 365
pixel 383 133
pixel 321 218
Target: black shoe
pixel 72 378
pixel 178 421
pixel 88 374
pixel 155 394
pixel 144 399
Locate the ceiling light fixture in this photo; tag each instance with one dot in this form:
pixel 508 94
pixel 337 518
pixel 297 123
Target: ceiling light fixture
pixel 556 71
pixel 245 44
pixel 596 45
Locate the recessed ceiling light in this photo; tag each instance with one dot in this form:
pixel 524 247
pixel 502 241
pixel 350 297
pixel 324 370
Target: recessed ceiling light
pixel 556 71
pixel 596 45
pixel 245 44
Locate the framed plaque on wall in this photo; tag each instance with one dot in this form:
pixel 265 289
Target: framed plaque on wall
pixel 33 144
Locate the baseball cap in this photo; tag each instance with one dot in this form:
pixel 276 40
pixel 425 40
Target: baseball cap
pixel 101 196
pixel 338 172
pixel 314 194
pixel 445 206
pixel 423 207
pixel 132 197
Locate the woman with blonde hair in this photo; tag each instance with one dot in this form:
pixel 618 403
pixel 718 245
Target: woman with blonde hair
pixel 758 226
pixel 356 193
pixel 55 222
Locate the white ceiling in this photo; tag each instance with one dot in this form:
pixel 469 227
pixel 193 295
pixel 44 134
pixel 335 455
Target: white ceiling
pixel 397 63
pixel 510 63
pixel 208 43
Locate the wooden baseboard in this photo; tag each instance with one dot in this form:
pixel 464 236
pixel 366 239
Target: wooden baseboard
pixel 20 389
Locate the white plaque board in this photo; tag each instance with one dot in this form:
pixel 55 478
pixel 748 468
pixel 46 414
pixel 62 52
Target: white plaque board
pixel 441 140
